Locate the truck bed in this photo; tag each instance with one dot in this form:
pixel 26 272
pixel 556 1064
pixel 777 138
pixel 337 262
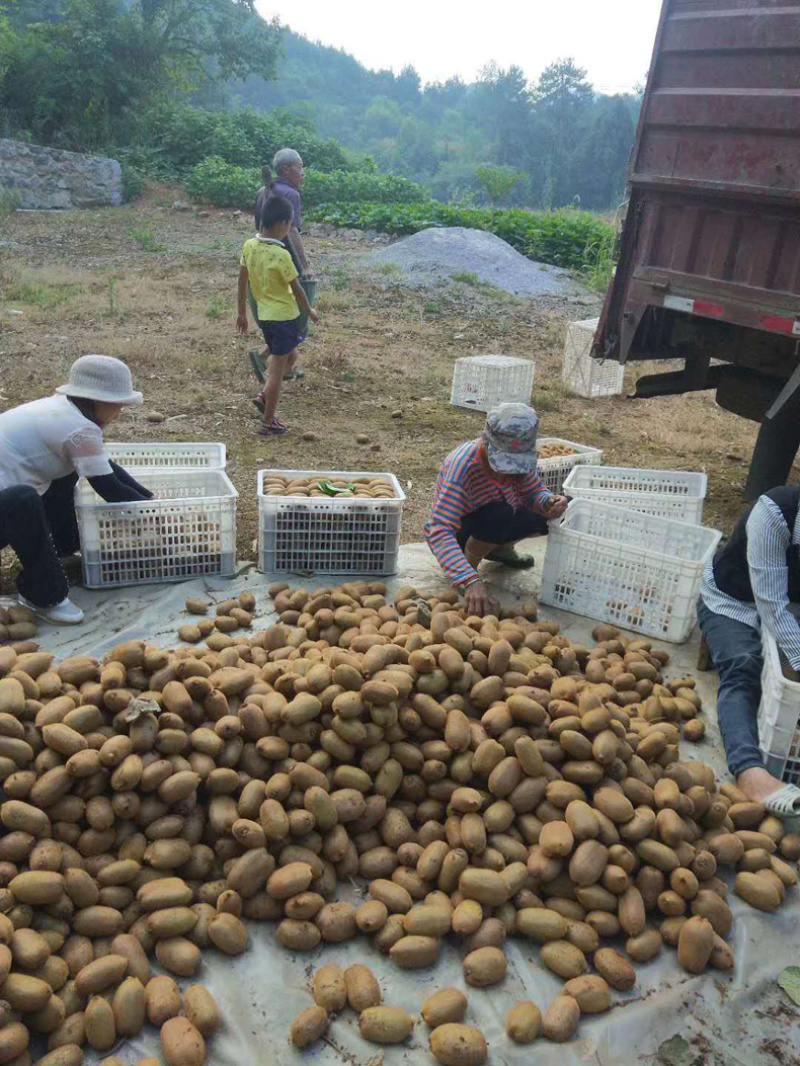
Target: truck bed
pixel 713 225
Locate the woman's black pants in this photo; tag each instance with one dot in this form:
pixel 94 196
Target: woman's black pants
pixel 40 529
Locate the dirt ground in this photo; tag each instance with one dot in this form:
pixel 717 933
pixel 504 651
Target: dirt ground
pixel 157 288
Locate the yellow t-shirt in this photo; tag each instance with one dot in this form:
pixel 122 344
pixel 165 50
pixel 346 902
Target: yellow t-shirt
pixel 270 270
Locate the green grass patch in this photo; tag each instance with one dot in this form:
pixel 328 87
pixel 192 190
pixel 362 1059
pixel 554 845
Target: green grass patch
pixel 551 397
pixel 42 294
pixel 340 279
pixel 220 244
pixel 600 264
pixel 10 200
pixel 145 239
pixel 217 308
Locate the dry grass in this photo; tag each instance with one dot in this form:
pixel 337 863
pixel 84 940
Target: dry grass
pixel 380 348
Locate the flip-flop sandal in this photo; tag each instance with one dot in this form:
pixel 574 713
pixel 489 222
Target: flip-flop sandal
pixel 258 402
pixel 257 364
pixel 273 430
pixel 784 803
pixel 293 374
pixel 510 557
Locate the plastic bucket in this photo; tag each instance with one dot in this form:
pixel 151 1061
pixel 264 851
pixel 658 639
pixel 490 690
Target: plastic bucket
pixel 310 289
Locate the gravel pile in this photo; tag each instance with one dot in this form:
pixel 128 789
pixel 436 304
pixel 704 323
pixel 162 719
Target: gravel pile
pixel 437 255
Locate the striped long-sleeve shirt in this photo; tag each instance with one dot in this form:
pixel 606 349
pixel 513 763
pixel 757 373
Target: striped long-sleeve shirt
pixel 768 538
pixel 464 485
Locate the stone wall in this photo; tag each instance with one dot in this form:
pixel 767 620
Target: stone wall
pixel 49 178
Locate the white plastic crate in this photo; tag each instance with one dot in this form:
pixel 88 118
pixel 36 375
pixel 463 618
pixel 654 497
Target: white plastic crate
pixel 583 375
pixel 554 471
pixel 779 716
pixel 677 494
pixel 325 535
pixel 170 456
pixel 482 381
pixel 187 530
pixel 633 570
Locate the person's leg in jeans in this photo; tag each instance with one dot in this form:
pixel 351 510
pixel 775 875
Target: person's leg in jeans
pixel 736 653
pixel 24 527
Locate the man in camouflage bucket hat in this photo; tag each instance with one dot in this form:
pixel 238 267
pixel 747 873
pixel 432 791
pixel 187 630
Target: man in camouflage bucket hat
pixel 488 496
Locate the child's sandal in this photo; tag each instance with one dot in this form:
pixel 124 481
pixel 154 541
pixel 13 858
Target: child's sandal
pixel 272 429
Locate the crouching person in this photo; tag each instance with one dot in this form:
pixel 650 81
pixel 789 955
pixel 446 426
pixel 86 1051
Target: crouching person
pixel 488 497
pixel 45 446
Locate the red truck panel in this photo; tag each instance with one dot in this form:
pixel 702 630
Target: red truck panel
pixel 714 216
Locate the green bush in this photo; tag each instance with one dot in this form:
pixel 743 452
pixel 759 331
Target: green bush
pixel 217 182
pixel 567 238
pixel 178 137
pixel 132 181
pixel 360 186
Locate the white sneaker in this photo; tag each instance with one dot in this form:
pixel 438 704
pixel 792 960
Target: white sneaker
pixel 65 613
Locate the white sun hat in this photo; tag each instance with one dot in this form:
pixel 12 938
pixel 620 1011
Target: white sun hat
pixel 100 377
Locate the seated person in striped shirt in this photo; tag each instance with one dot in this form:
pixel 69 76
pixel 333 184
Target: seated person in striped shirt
pixel 750 584
pixel 488 496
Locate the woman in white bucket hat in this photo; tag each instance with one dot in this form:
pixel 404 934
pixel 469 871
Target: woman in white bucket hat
pixel 45 446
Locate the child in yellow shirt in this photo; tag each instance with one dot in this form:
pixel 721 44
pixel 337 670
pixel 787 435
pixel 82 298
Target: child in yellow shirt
pixel 268 269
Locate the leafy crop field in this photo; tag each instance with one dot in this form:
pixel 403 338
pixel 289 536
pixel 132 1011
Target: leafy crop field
pixel 566 238
pixel 578 240
pixel 157 289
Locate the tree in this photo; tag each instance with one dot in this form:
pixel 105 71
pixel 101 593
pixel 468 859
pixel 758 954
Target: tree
pixel 439 96
pixel 602 161
pixel 563 100
pixel 500 104
pixel 407 87
pixel 8 44
pixel 498 181
pixel 383 118
pixel 196 40
pixel 562 89
pixel 82 74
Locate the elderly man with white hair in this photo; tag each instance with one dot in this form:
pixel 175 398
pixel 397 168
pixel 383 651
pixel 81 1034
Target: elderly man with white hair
pixel 284 178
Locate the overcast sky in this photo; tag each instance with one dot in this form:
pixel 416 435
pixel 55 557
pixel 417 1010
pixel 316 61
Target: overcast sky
pixel 612 39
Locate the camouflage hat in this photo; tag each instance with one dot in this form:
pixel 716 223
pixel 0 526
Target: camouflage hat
pixel 510 436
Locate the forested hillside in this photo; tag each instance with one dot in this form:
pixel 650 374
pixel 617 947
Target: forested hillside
pixel 118 75
pixel 568 141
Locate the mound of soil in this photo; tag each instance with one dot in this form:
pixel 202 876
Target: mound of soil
pixel 472 256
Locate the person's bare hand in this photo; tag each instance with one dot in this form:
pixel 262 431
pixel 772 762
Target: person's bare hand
pixel 478 600
pixel 312 314
pixel 558 506
pixel 241 324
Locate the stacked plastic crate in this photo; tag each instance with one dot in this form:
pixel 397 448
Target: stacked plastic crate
pixel 630 550
pixel 779 714
pixel 584 376
pixel 328 534
pixel 482 381
pixel 187 530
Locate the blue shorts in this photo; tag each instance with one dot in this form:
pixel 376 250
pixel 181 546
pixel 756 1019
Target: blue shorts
pixel 282 337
